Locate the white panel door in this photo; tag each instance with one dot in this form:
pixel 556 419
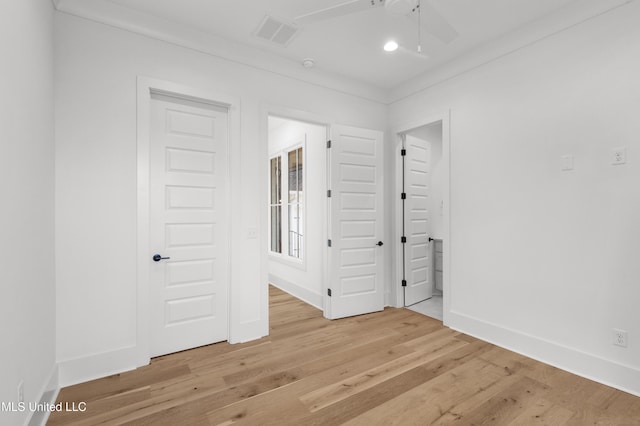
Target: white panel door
pixel 417 255
pixel 189 225
pixel 356 228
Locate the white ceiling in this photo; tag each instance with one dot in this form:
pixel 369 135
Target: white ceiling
pixel 351 45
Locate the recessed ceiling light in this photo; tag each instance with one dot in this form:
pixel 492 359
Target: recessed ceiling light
pixel 308 63
pixel 390 46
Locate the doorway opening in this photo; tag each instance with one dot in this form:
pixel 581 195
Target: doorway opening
pixel 296 207
pixel 423 218
pixel 325 214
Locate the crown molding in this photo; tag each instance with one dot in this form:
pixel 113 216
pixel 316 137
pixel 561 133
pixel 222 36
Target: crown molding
pixel 112 14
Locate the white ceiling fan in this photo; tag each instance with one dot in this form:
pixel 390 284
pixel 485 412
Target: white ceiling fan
pixel 419 10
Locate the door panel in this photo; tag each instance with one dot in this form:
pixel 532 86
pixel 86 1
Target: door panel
pixel 417 251
pixel 356 215
pixel 189 225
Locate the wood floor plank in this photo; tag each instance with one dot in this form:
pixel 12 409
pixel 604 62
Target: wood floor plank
pixel 428 402
pixel 316 374
pixel 328 395
pixel 459 413
pixel 353 406
pixel 542 412
pixel 287 359
pixel 390 367
pixel 507 405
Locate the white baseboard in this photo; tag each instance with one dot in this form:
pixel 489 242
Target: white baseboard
pixel 314 299
pixel 96 366
pixel 607 372
pixel 48 396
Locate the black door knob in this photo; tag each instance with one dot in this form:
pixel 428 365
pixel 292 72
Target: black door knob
pixel 158 258
pixel 379 243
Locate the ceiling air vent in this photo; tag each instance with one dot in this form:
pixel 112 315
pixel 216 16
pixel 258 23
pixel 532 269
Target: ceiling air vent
pixel 276 31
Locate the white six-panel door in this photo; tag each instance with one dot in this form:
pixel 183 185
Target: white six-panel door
pixel 356 222
pixel 417 256
pixel 188 225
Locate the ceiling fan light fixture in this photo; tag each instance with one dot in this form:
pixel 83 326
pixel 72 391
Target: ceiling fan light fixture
pixel 390 46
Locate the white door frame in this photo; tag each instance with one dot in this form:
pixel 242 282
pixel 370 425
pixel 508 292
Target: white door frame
pixel 307 117
pixel 397 291
pixel 145 87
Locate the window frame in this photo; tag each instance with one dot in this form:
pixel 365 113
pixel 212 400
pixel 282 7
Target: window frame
pixel 284 255
pixel 277 204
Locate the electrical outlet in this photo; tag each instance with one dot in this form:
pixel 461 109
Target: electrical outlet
pixel 619 155
pixel 567 162
pixel 21 391
pixel 620 337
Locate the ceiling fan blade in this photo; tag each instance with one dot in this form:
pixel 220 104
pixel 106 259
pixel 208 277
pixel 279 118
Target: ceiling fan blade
pixel 345 8
pixel 435 23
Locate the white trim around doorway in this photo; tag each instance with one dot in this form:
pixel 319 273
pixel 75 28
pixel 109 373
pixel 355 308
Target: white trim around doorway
pixel 266 111
pixel 145 87
pixel 396 292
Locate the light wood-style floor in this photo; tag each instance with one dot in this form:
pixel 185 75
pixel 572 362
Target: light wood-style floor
pixel 394 367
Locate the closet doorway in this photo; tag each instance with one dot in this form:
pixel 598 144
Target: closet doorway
pixel 424 179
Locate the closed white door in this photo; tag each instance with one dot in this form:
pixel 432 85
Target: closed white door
pixel 356 253
pixel 417 249
pixel 188 225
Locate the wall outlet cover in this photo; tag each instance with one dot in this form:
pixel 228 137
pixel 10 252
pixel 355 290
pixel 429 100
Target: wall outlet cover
pixel 619 156
pixel 620 337
pixel 567 162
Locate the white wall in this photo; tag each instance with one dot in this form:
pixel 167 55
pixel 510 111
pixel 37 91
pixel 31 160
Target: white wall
pixel 303 279
pixel 545 261
pixel 96 71
pixel 27 304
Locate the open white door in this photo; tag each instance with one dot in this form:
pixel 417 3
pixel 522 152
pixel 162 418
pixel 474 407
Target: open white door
pixel 356 223
pixel 189 224
pixel 417 249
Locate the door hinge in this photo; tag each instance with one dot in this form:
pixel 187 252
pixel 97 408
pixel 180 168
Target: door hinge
pixel 329 144
pixel 403 196
pixel 404 283
pixel 403 239
pixel 328 193
pixel 329 243
pixel 329 292
pixel 403 152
